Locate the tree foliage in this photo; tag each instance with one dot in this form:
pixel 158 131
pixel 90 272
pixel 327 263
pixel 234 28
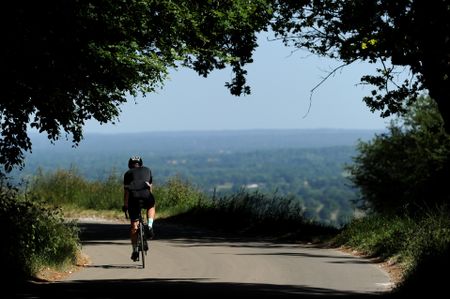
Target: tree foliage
pixel 411 35
pixel 67 61
pixel 407 168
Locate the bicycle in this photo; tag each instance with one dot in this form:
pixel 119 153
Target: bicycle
pixel 142 240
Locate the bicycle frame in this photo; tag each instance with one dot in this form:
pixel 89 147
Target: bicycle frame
pixel 142 241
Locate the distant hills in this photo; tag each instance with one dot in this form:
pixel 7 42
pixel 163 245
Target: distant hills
pixel 102 152
pixel 206 141
pixel 99 153
pixel 306 164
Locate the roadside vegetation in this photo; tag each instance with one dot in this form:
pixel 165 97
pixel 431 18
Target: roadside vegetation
pixel 36 236
pixel 403 176
pixel 405 241
pixel 402 224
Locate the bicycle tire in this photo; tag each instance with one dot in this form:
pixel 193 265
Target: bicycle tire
pixel 141 242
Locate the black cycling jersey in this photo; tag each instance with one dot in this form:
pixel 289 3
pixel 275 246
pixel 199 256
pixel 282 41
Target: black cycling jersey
pixel 137 174
pixel 139 195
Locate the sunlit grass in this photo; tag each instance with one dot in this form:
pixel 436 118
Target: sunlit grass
pixel 420 246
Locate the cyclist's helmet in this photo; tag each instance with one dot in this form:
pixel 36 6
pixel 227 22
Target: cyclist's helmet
pixel 133 160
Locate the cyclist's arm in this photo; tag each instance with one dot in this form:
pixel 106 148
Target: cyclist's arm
pixel 150 186
pixel 126 185
pixel 151 183
pixel 125 197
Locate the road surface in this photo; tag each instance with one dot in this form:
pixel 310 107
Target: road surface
pixel 191 262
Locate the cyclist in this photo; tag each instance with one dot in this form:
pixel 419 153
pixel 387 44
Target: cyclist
pixel 137 195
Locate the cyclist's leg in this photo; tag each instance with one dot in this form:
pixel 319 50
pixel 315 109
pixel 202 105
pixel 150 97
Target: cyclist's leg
pixel 133 232
pixel 143 234
pixel 134 211
pixel 134 240
pixel 151 212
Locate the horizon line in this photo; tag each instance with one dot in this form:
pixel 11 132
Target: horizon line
pixel 232 130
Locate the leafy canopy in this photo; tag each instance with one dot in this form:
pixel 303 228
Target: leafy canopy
pixel 404 35
pixel 65 62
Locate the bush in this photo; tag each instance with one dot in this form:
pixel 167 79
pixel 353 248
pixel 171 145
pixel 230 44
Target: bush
pixel 69 188
pixel 377 235
pixel 177 195
pixel 421 245
pixel 407 168
pixel 429 254
pixel 36 237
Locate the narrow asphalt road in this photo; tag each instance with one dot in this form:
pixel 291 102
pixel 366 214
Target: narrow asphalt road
pixel 190 262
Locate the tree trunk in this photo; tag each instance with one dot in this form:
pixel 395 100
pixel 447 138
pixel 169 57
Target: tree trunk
pixel 443 101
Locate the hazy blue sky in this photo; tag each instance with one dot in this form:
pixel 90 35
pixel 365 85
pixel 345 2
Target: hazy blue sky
pixel 281 85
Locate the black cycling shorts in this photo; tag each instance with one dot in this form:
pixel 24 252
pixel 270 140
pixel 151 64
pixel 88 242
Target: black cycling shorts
pixel 136 204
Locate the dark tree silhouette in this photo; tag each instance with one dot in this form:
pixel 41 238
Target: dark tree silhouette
pixel 406 34
pixel 66 61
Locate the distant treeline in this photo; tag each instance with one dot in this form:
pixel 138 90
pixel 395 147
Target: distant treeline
pixel 313 176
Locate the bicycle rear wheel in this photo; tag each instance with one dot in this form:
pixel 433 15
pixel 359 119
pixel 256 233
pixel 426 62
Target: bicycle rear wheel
pixel 141 240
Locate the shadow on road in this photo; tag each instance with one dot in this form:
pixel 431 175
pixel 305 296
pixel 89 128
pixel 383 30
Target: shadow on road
pixel 146 288
pixel 99 233
pixel 108 233
pixel 91 232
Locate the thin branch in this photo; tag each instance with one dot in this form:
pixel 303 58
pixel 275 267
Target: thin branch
pixel 322 81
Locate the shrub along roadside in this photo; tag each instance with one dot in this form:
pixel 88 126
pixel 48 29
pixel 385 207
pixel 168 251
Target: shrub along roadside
pixel 179 199
pixel 420 246
pixel 36 236
pixel 256 214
